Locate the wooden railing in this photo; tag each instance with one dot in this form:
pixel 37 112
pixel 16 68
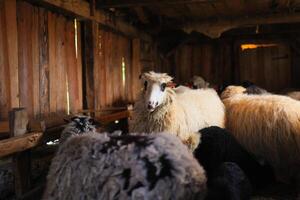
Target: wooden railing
pixel 29 134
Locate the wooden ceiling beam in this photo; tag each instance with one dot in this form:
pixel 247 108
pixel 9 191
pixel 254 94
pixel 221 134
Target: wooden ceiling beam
pixel 215 27
pixel 85 11
pixel 134 3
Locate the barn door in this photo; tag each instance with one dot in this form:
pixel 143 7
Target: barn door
pixel 266 64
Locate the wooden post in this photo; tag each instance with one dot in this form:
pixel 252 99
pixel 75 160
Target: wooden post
pixel 18 120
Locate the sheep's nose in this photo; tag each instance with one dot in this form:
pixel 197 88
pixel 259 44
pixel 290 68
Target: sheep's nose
pixel 150 107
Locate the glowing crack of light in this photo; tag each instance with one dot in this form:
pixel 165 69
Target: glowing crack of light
pixel 255 46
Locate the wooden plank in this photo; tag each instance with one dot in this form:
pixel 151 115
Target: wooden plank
pixel 18 120
pixel 133 3
pixel 45 56
pixel 61 95
pixel 4 127
pixel 115 116
pixel 102 77
pixel 12 50
pixel 97 61
pixel 25 12
pixel 81 8
pixel 52 20
pixel 109 67
pixel 19 143
pixel 4 76
pixel 88 65
pixel 72 69
pixel 214 29
pixel 79 65
pixel 136 67
pixel 35 62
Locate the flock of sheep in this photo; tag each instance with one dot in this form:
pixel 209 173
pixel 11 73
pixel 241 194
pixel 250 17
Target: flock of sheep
pixel 178 147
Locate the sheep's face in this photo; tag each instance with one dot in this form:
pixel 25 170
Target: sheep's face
pixel 155 93
pixel 83 123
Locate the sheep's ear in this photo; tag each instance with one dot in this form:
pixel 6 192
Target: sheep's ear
pixel 75 119
pixel 67 120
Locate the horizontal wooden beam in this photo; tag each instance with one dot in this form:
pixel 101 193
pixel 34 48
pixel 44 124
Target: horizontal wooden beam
pixel 82 10
pixel 134 3
pixel 215 27
pixel 114 116
pixel 4 127
pixel 19 143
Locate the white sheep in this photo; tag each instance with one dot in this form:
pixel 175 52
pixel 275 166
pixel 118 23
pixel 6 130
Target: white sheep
pixel 180 112
pixel 99 166
pixel 268 126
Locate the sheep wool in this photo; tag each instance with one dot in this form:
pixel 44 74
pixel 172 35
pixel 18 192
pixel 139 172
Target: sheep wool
pixel 99 166
pixel 268 126
pixel 182 113
pixel 78 125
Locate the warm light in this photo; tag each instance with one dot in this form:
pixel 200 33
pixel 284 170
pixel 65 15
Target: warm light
pixel 123 71
pixel 76 37
pixel 255 46
pixel 117 121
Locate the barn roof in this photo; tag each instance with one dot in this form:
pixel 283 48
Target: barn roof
pixel 201 15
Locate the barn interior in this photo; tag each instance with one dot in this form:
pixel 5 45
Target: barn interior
pixel 59 58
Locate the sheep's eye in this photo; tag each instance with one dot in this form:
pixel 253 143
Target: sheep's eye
pixel 163 86
pixel 145 85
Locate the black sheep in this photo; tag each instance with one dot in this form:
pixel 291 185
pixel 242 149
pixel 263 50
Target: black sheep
pixel 229 183
pixel 218 146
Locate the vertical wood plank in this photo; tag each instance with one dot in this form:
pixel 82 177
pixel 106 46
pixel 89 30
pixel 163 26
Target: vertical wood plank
pixel 25 12
pixel 72 68
pixel 45 28
pixel 12 50
pixel 53 81
pixel 35 45
pixel 4 85
pixel 18 120
pixel 79 65
pixel 136 67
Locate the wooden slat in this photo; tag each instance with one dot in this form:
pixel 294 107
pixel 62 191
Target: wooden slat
pixel 4 127
pixel 72 69
pixel 61 95
pixel 79 66
pixel 136 68
pixel 18 120
pixel 115 116
pixel 45 56
pixel 4 86
pixel 35 45
pixel 52 20
pixel 12 50
pixel 133 3
pixel 81 8
pixel 19 144
pixel 25 13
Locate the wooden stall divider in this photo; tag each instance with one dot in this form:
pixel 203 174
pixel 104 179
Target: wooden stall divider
pixel 18 121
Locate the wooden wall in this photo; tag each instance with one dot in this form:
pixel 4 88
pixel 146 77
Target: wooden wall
pixel 112 67
pixel 42 68
pixel 222 61
pixel 268 67
pixel 211 60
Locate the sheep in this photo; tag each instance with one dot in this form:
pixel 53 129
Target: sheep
pixel 268 126
pixel 294 95
pixel 78 125
pixel 199 82
pixel 160 108
pixel 218 146
pixel 100 166
pixel 229 183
